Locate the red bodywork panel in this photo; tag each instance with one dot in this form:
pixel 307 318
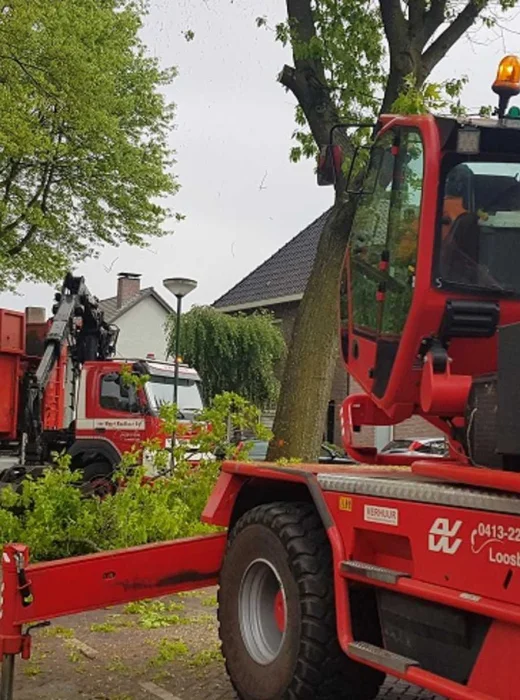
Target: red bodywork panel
pixel 12 345
pixel 436 548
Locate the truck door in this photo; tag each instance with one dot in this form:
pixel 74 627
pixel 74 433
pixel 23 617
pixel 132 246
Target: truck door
pixel 119 413
pixel 382 254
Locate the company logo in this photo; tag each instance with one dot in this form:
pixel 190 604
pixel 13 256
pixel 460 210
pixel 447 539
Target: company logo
pixel 442 536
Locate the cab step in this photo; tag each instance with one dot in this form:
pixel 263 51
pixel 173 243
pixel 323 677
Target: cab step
pixel 371 571
pixel 377 655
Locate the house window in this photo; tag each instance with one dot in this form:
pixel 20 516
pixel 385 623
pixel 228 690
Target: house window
pixel 117 396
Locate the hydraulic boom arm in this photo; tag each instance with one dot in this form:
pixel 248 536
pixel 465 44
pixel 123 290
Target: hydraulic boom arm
pixel 79 321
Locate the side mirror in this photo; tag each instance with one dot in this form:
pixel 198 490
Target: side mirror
pixel 364 170
pixel 332 156
pixel 329 164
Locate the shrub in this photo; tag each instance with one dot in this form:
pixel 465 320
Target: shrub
pixel 51 515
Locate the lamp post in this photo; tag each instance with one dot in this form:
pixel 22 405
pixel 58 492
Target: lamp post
pixel 179 287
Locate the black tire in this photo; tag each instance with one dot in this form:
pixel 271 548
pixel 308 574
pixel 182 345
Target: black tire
pixel 98 480
pixel 286 544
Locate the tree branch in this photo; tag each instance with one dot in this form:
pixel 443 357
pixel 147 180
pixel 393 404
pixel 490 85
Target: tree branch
pixel 19 219
pixel 13 171
pixel 440 47
pixel 314 100
pixel 307 80
pixel 43 206
pixel 434 18
pixel 394 23
pixel 416 17
pixel 23 66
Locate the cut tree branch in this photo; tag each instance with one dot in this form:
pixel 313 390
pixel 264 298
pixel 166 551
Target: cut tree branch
pixel 307 80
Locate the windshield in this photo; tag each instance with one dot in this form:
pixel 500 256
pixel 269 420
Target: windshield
pixel 480 226
pixel 160 390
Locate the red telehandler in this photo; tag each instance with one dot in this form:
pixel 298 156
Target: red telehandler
pixel 331 577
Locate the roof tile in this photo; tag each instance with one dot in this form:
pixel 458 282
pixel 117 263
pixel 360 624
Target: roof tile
pixel 284 274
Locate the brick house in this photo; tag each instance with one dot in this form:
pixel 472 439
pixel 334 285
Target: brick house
pixel 278 285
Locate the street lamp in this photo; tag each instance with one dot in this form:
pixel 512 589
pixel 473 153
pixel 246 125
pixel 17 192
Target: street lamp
pixel 179 287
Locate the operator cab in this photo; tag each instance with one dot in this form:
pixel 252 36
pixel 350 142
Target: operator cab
pixel 432 267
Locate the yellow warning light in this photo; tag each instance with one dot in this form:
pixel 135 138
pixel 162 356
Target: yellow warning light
pixel 507 81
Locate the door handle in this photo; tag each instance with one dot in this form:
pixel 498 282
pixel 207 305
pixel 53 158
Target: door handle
pixel 100 430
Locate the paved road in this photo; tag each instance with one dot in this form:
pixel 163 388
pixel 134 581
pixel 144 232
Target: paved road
pixel 166 650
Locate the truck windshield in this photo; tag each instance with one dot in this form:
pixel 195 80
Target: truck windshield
pixel 160 390
pixel 480 226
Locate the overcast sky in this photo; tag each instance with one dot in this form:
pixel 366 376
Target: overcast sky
pixel 241 196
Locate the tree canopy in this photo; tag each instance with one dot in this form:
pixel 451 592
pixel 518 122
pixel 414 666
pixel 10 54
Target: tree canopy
pixel 239 353
pixel 83 125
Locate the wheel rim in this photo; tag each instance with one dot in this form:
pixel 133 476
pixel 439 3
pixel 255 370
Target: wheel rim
pixel 100 487
pixel 262 611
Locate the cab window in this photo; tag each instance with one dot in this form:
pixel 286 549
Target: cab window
pixel 384 238
pixel 480 226
pixel 369 234
pixel 403 231
pixel 115 395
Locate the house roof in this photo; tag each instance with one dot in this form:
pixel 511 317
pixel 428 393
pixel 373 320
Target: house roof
pixel 281 278
pixel 112 313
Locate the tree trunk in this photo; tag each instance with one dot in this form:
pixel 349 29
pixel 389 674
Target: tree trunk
pixel 313 352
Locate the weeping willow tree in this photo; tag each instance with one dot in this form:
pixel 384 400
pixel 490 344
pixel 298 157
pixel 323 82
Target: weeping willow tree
pixel 240 354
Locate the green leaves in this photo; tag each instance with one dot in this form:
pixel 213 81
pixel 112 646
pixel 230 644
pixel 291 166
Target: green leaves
pixel 232 353
pixel 347 41
pixel 84 157
pixel 430 97
pixel 52 517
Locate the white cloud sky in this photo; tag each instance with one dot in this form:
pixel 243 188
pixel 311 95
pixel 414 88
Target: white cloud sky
pixel 242 197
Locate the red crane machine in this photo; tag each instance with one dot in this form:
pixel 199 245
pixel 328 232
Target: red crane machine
pixel 331 577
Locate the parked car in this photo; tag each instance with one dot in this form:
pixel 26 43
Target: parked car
pixel 418 447
pixel 328 454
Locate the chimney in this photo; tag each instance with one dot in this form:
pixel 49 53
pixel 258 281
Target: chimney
pixel 128 286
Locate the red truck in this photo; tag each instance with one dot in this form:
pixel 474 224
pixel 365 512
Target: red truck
pixel 331 577
pixel 62 389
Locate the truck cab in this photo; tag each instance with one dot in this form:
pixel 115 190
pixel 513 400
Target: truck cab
pixel 112 417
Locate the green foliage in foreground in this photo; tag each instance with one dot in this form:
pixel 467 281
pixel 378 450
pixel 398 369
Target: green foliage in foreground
pixel 54 518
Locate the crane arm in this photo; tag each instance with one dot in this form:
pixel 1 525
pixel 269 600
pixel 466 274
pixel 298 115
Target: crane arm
pixel 78 320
